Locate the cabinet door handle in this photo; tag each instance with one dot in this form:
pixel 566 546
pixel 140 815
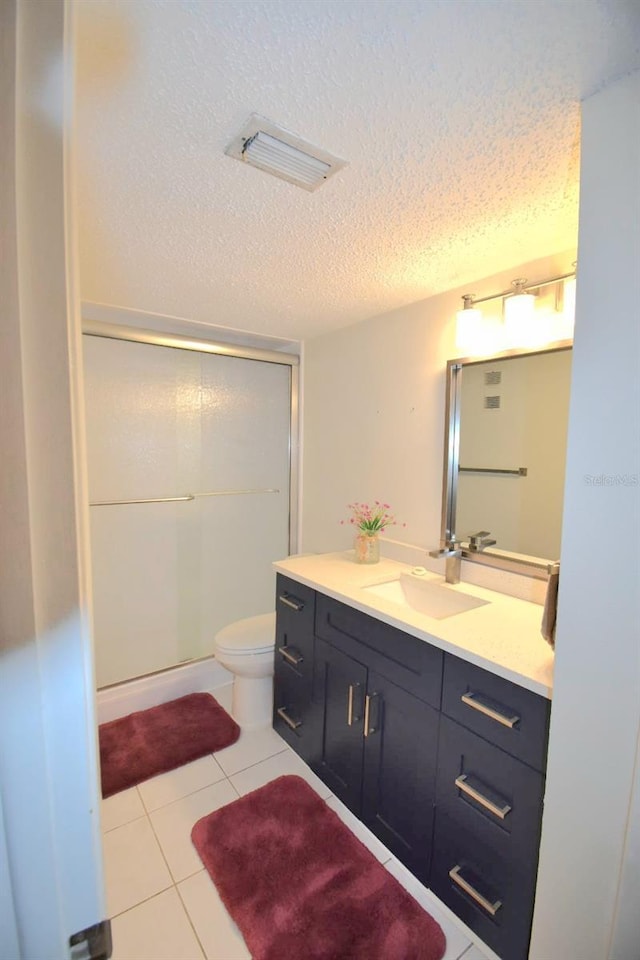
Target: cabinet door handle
pixel 367 713
pixel 351 717
pixel 291 655
pixel 501 812
pixel 296 605
pixel 491 908
pixel 290 722
pixel 475 701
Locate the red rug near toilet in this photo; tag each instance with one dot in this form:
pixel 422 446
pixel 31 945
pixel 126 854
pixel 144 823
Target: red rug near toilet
pixel 300 885
pixel 149 742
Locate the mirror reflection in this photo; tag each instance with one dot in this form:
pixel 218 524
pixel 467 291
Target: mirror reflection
pixel 507 452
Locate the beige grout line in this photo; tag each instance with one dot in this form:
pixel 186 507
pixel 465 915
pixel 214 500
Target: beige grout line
pixel 157 839
pixel 254 764
pixel 191 924
pixel 144 900
pixel 124 823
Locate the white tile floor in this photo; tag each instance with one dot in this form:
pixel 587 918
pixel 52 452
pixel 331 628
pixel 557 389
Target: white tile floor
pixel 162 903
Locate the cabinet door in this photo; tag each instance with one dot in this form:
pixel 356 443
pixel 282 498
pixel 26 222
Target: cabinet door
pixel 400 738
pixel 339 690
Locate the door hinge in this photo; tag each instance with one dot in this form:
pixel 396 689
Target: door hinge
pixel 94 943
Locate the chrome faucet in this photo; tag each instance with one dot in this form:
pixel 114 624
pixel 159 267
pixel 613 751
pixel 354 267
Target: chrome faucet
pixel 452 554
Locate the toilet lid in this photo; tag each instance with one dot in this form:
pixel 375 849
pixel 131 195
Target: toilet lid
pixel 251 635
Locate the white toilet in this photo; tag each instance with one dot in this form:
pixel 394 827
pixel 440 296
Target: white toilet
pixel 246 647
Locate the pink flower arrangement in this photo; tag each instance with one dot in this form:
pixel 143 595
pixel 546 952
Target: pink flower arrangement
pixel 371 520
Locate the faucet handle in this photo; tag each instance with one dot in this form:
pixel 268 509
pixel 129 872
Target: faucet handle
pixel 478 541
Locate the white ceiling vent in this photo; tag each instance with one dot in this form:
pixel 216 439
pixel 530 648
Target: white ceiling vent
pixel 263 144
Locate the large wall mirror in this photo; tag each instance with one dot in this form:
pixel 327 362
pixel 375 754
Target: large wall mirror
pixel 505 453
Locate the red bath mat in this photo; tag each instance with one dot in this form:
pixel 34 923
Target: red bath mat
pixel 149 742
pixel 300 885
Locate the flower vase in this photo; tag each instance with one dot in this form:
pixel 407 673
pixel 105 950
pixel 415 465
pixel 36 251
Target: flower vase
pixel 367 547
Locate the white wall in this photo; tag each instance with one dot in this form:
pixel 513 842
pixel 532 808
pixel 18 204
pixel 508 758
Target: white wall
pixel 374 397
pixel 626 927
pixel 596 707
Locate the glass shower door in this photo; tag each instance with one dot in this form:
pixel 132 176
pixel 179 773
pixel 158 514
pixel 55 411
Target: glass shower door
pixel 189 485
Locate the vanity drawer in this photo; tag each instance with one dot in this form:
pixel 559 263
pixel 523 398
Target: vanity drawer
pixel 514 719
pixel 493 796
pixel 295 611
pixel 294 713
pixel 410 663
pixel 492 896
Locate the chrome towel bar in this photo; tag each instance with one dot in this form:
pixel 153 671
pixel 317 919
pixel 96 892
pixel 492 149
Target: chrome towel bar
pixel 188 496
pixel 520 472
pixel 117 503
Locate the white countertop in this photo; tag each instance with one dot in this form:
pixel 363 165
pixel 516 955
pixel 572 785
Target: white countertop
pixel 503 636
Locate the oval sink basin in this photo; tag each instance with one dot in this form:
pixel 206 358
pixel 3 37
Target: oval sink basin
pixel 435 599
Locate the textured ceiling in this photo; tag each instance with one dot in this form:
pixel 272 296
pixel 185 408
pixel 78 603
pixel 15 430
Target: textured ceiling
pixel 459 119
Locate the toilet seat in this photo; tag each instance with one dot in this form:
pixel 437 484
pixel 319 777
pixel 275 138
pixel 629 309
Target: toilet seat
pixel 248 637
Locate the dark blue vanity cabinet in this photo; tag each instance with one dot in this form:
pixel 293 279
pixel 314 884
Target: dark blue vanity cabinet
pixel 378 691
pixel 490 788
pixel 441 759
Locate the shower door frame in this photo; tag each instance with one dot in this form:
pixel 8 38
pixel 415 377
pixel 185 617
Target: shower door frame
pixel 116 331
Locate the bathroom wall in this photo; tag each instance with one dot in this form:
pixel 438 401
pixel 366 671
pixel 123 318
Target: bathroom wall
pixel 374 396
pixel 596 708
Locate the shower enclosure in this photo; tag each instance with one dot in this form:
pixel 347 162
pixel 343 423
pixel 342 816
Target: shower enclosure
pixel 190 459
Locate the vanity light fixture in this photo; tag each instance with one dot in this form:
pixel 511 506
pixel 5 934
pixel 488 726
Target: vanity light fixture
pixel 526 324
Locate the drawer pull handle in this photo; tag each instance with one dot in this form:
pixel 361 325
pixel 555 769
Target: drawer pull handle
pixel 491 908
pixel 351 718
pixel 296 605
pixel 294 658
pixel 501 812
pixel 294 724
pixel 473 700
pixel 367 714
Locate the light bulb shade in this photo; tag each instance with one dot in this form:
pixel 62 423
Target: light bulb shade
pixel 478 333
pixel 566 320
pixel 468 329
pixel 519 320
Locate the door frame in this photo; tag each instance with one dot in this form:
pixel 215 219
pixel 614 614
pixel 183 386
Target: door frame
pixel 50 842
